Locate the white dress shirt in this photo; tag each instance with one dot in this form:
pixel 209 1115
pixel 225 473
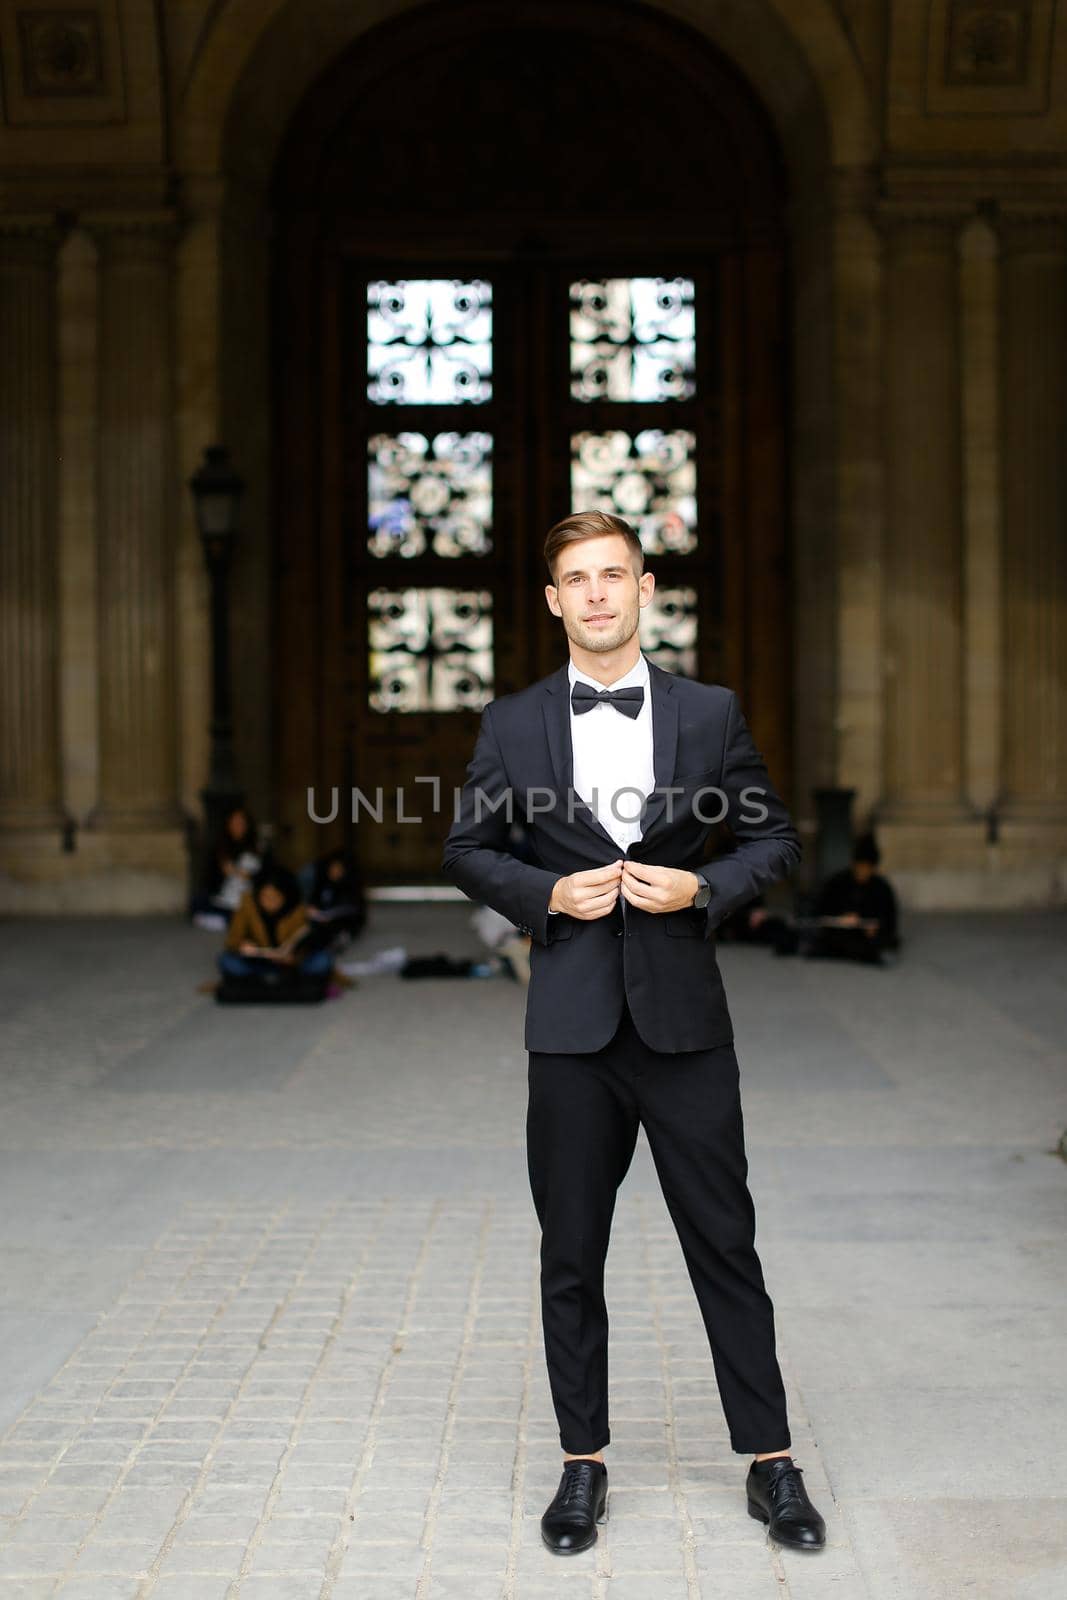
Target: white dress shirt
pixel 613 771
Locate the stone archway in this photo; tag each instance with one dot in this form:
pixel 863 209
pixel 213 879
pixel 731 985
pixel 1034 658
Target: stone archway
pixel 534 152
pixel 248 78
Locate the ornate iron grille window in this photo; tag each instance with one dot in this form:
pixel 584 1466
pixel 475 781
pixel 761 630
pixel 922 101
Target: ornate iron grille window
pixel 648 478
pixel 669 629
pixel 430 649
pixel 429 342
pixel 429 492
pixel 637 420
pixel 633 339
pixel 633 375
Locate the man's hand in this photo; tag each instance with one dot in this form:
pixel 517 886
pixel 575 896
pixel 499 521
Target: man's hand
pixel 658 889
pixel 247 948
pixel 587 895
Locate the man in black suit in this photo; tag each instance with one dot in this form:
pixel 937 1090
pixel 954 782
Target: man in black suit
pixel 619 770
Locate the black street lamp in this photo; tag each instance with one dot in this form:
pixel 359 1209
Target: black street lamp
pixel 217 491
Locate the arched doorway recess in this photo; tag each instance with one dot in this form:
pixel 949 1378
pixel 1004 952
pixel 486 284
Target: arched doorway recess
pixel 534 156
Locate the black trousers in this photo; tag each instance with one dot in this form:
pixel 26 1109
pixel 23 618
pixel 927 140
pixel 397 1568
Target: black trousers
pixel 581 1130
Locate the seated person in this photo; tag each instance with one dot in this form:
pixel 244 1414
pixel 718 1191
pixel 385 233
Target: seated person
pixel 235 858
pixel 857 910
pixel 335 902
pixel 265 938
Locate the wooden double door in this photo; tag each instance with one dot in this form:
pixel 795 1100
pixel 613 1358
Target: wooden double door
pixel 465 407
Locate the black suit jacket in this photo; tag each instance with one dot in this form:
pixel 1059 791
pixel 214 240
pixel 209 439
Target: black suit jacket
pixel 664 963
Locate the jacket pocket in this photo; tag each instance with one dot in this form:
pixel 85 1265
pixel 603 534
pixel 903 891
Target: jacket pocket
pixel 688 923
pixel 560 927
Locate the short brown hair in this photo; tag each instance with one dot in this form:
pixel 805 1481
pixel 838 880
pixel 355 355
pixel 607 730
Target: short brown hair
pixel 589 525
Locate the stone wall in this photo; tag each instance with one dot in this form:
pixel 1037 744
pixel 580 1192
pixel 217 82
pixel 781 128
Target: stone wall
pixel 927 145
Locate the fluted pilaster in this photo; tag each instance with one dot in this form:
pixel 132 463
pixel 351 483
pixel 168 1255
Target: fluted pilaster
pixel 858 370
pixel 924 700
pixel 1034 445
pixel 136 488
pixel 980 336
pixel 29 466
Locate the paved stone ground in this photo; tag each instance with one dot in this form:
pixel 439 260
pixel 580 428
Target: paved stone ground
pixel 268 1306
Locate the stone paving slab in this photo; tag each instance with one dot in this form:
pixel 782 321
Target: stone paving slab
pixel 276 1400
pixel 269 1300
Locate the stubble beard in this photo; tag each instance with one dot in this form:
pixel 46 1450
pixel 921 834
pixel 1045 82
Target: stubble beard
pixel 599 642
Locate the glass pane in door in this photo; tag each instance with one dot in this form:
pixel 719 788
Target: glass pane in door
pixel 429 494
pixel 429 341
pixel 430 649
pixel 633 339
pixel 649 478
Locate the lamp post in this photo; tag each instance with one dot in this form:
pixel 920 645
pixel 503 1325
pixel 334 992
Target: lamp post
pixel 217 491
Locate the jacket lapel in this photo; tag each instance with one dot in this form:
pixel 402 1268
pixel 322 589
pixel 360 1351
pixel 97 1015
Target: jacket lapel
pixel 556 710
pixel 664 744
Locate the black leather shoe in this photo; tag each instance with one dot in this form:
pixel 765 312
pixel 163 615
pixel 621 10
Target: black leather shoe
pixel 581 1501
pixel 776 1495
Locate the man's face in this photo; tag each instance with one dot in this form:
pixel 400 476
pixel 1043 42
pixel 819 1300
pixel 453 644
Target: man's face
pixel 862 870
pixel 271 899
pixel 597 593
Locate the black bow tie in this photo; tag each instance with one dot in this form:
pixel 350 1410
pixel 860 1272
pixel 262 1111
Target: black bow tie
pixel 629 701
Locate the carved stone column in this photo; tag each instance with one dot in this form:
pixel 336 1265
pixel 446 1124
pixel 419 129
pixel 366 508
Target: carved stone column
pixel 924 684
pixel 137 506
pixel 29 466
pixel 838 495
pixel 1034 443
pixel 858 373
pixel 981 401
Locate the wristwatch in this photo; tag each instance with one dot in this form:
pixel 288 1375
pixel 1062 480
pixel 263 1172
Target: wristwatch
pixel 702 896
